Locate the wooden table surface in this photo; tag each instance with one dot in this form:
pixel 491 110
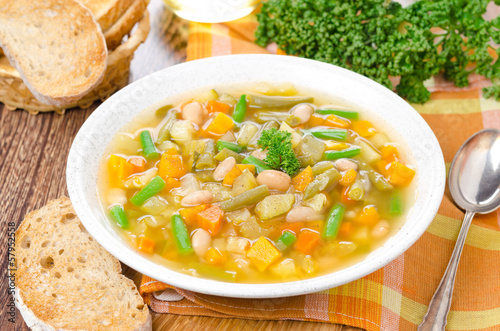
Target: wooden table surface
pixel 33 153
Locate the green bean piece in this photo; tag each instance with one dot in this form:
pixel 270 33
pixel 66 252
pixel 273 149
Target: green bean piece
pixel 205 176
pixel 321 167
pixel 231 146
pixel 259 164
pixel 240 110
pixel 345 153
pixel 285 241
pixel 333 222
pixel 118 214
pixel 148 148
pixel 337 134
pixel 395 203
pixel 206 159
pixel 352 115
pixel 225 153
pixel 321 182
pixel 181 235
pixel 164 133
pixel 211 271
pixel 163 111
pixel 356 191
pixel 246 133
pixel 154 186
pixel 377 179
pixel 265 101
pixel 247 198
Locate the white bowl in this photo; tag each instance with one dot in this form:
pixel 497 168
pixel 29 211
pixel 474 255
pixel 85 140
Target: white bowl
pixel 94 136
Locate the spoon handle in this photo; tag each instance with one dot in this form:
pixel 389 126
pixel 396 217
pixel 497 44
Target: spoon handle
pixel 435 318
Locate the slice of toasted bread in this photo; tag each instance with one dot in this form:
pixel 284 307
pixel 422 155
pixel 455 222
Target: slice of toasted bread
pixel 106 12
pixel 56 45
pixel 66 281
pixel 124 24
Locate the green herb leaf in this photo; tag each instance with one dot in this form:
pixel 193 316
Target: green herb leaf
pixel 280 155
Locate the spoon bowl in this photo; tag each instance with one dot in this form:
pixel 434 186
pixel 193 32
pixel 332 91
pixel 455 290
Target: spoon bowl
pixel 475 173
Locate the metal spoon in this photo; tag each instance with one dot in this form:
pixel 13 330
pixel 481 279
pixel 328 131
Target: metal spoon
pixel 474 182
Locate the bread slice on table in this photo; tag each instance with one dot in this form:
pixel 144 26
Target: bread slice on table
pixel 66 281
pixel 56 45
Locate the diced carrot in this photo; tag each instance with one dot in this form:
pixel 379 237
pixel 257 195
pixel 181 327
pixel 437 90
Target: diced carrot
pixel 364 128
pixel 250 167
pixel 316 120
pixel 307 241
pixel 215 257
pixel 146 245
pixel 304 178
pixel 348 177
pixel 400 174
pixel 220 124
pixel 383 168
pixel 119 169
pixel 211 219
pixel 345 229
pixel 369 216
pixel 214 106
pixel 190 215
pixel 389 153
pixel 344 198
pixel 171 183
pixel 138 164
pixel 293 227
pixel 263 253
pixel 171 165
pixel 334 146
pixel 231 176
pixel 315 225
pixel 337 122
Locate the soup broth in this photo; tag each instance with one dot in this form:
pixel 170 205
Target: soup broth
pixel 255 185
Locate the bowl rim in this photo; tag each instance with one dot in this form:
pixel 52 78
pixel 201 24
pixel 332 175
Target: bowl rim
pixel 76 179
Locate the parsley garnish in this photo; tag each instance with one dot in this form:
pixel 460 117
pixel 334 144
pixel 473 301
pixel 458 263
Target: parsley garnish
pixel 280 155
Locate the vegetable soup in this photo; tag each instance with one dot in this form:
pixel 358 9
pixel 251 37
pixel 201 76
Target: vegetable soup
pixel 256 185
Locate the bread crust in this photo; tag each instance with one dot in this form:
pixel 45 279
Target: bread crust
pixel 106 12
pixel 56 45
pixel 67 281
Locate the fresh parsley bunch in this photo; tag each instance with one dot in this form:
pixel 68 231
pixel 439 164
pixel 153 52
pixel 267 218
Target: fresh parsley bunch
pixel 380 39
pixel 280 155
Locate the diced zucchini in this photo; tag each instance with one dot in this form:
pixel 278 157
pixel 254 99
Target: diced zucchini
pixel 379 139
pixel 225 153
pixel 311 146
pixel 321 182
pixel 318 202
pixel 248 130
pixel 154 205
pixel 182 131
pixel 219 191
pixel 274 205
pixel 368 152
pixel 252 230
pixel 284 269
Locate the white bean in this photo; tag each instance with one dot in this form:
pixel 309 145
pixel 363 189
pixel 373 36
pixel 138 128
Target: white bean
pixel 224 168
pixel 380 230
pixel 303 112
pixel 193 112
pixel 201 241
pixel 197 198
pixel 259 153
pixel 302 214
pixel 116 195
pixel 274 180
pixel 345 164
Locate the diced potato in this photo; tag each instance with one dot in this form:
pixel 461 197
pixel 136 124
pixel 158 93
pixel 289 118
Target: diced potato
pixel 220 244
pixel 309 265
pixel 189 184
pixel 182 130
pixel 340 248
pixel 252 230
pixel 284 269
pixel 248 130
pixel 127 144
pixel 368 152
pixel 274 205
pixel 318 202
pixel 361 236
pixel 263 253
pixel 237 245
pixel 238 216
pixel 116 195
pixel 295 136
pixel 207 96
pixel 154 205
pixel 244 182
pixel 166 145
pixel 379 140
pixel 190 147
pixel 154 221
pixel 228 136
pixel 219 191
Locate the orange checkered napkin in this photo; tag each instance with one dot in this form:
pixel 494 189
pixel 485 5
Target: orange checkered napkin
pixel 396 296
